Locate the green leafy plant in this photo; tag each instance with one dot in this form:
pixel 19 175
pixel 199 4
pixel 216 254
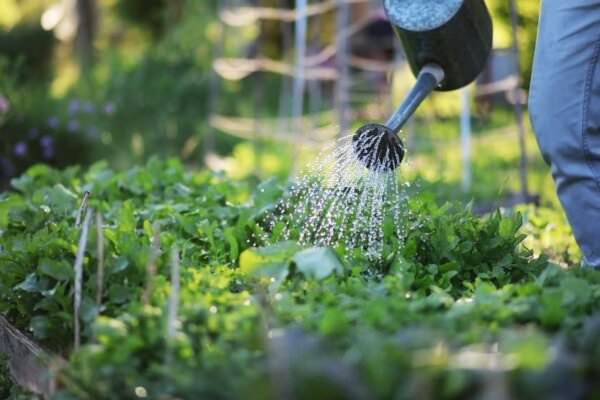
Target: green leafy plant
pixel 456 300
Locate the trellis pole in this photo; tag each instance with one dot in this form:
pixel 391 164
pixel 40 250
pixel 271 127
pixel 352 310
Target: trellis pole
pixel 214 85
pixel 342 96
pixel 300 29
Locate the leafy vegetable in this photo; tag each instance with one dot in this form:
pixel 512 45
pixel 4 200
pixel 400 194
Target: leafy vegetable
pixel 455 301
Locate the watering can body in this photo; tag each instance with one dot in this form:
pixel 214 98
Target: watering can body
pixel 454 34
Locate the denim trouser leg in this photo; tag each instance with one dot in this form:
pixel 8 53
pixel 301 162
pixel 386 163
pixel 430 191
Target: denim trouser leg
pixel 565 111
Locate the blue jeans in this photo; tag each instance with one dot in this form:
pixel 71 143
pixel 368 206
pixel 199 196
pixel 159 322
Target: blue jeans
pixel 564 106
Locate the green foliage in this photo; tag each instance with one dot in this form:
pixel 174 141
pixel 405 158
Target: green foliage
pixel 148 14
pixel 548 231
pixel 38 235
pixel 455 249
pixel 455 299
pixel 152 15
pixel 145 95
pixel 159 93
pixel 158 105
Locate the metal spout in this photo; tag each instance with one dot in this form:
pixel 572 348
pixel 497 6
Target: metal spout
pixel 378 147
pixel 429 78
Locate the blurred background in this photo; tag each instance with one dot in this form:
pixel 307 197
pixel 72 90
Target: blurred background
pixel 256 88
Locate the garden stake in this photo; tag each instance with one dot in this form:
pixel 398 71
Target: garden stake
pixel 100 257
pixel 173 304
pixel 79 276
pixel 174 295
pixel 151 266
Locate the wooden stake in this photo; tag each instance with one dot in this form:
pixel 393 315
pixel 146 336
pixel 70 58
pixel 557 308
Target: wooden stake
pixel 79 276
pixel 174 295
pixel 100 257
pixel 151 266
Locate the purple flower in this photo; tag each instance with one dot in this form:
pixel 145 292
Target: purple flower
pixel 88 107
pixel 46 141
pixel 109 108
pixel 53 122
pixel 74 106
pixel 47 147
pixel 73 126
pixel 20 149
pixel 4 105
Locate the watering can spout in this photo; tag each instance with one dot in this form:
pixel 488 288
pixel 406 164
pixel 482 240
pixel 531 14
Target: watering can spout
pixel 429 78
pixel 378 147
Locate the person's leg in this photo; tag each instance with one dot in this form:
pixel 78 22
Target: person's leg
pixel 565 111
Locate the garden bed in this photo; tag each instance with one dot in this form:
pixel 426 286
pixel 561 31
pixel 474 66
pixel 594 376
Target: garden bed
pixel 456 308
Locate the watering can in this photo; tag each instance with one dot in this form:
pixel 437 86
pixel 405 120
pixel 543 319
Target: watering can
pixel 447 44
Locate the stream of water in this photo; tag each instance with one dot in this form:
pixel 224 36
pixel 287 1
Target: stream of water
pixel 338 200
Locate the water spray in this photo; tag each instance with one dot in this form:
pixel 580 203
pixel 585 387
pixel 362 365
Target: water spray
pixel 447 44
